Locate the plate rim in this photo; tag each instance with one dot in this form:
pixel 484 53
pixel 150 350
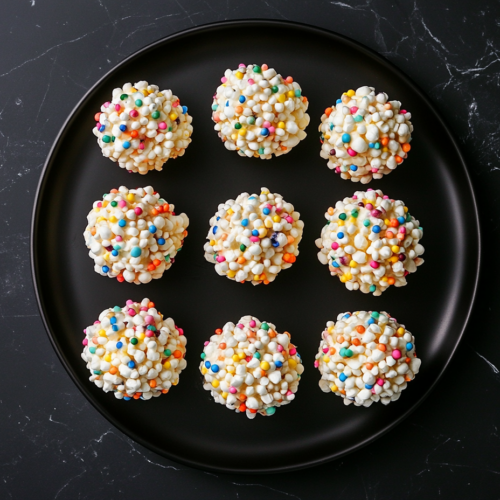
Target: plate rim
pixel 34 264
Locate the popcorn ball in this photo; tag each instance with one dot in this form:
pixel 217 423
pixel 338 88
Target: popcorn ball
pixel 133 352
pixel 254 237
pixel 258 112
pixel 141 128
pixel 364 135
pixel 250 367
pixel 370 242
pixel 366 357
pixel 134 235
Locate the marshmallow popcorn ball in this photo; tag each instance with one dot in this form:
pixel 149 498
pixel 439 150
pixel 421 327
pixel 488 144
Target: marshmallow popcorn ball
pixel 364 135
pixel 250 367
pixel 134 235
pixel 259 113
pixel 366 357
pixel 370 242
pixel 254 237
pixel 134 352
pixel 141 128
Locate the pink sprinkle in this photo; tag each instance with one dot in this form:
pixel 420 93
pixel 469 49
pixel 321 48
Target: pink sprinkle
pixel 271 130
pixel 289 393
pixel 240 326
pixel 119 238
pixel 141 145
pixel 354 197
pixel 131 312
pixel 162 125
pixel 374 264
pixel 373 390
pixel 280 348
pixel 396 354
pixel 335 245
pixel 337 170
pixel 242 65
pixel 223 79
pixel 97 322
pixel 369 206
pixel 117 107
pixel 85 342
pixel 351 152
pixel 370 189
pixel 354 109
pixel 129 302
pixel 254 238
pixel 175 104
pixel 180 330
pixel 325 349
pixel 380 381
pixel 252 323
pixel 251 81
pixel 293 351
pixel 149 333
pixel 374 170
pixel 144 308
pixel 99 205
pixel 220 258
pixel 149 319
pixel 386 197
pixel 375 213
pixel 122 203
pixel 316 364
pixel 278 210
pixel 266 124
pixel 106 104
pixel 403 112
pixel 138 210
pixel 402 229
pixel 134 113
pixel 206 342
pixel 232 390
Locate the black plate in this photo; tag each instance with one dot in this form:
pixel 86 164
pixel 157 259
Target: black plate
pixel 186 425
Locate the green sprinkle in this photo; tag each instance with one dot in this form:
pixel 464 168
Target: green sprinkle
pixel 134 341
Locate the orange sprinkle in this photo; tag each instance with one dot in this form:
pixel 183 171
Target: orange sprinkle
pixel 120 278
pixel 394 223
pixel 152 383
pixel 356 342
pixel 340 339
pixel 222 345
pixel 151 267
pixel 242 397
pixel 156 262
pixel 242 407
pixel 93 231
pixel 241 260
pixel 164 391
pixel 330 211
pixel 264 68
pixel 137 395
pixel 328 111
pixel 332 350
pixel 406 147
pixel 408 379
pixel 384 141
pixel 185 233
pixel 134 134
pixel 381 347
pixel 360 329
pixel 369 366
pixel 391 281
pixel 388 105
pixel 238 109
pixel 389 234
pixel 154 211
pixel 114 191
pixel 151 304
pixel 289 79
pixel 218 331
pixel 113 370
pixel 177 354
pixel 272 334
pixel 283 148
pixel 407 360
pixel 398 159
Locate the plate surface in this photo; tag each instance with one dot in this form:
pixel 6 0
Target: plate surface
pixel 186 425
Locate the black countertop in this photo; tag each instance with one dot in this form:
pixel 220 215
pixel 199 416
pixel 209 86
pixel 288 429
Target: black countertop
pixel 54 444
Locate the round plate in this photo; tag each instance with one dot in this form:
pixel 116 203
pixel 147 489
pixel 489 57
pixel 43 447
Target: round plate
pixel 186 425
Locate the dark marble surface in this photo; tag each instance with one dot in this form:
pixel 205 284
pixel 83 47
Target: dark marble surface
pixel 54 444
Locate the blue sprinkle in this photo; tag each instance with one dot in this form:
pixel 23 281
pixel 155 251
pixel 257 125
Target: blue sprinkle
pixel 218 218
pixel 401 220
pixel 214 230
pixel 339 101
pixel 370 321
pixel 371 145
pixel 244 222
pixel 376 229
pixel 278 364
pixel 353 168
pixel 409 346
pixel 227 103
pixel 161 241
pixel 275 244
pixel 115 328
pixel 368 386
pixel 126 398
pixel 123 128
pixel 255 232
pixel 102 128
pixel 242 99
pixel 347 316
pixel 152 229
pixel 207 364
pixel 184 109
pixel 266 211
pixel 346 138
pixel 335 264
pixel 122 223
pixel 126 145
pixel 131 364
pixel 105 269
pixel 112 320
pixel 114 253
pixel 340 235
pixel 252 198
pixel 343 377
pixel 264 132
pixel 119 345
pixel 215 368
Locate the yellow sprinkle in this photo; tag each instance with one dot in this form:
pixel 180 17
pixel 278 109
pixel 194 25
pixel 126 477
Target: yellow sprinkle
pixel 281 125
pixel 282 98
pixel 353 263
pixel 160 94
pixel 106 256
pixel 239 75
pixel 348 276
pixel 236 357
pixel 230 369
pixel 133 90
pixel 224 395
pixel 141 336
pixel 327 136
pixel 385 149
pixel 387 222
pixel 241 355
pixel 172 116
pixel 343 279
pixel 234 136
pixel 394 259
pixel 405 209
pixel 100 219
pixel 203 370
pixel 290 93
pixel 230 211
pixel 268 223
pixel 104 204
pixel 112 219
pixel 97 209
pixel 265 191
pixel 326 359
pixel 130 197
pixel 334 388
pixel 330 329
pixel 292 363
pixel 340 223
pixel 231 274
pixel 265 365
pixel 351 93
pixel 384 278
pixel 242 131
pixel 175 382
pixel 401 332
pixel 107 358
pixel 256 277
pixel 212 243
pixel 102 333
pixel 276 218
pixel 215 383
pixel 352 220
pixel 395 248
